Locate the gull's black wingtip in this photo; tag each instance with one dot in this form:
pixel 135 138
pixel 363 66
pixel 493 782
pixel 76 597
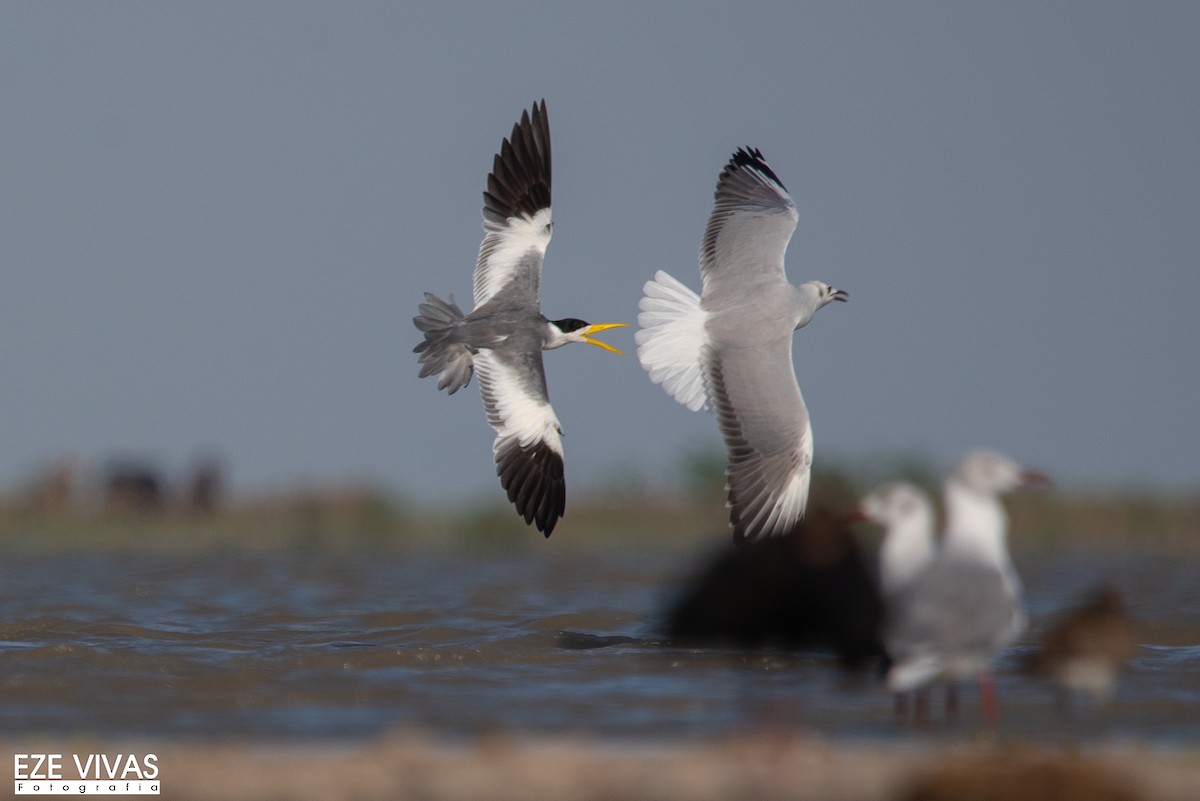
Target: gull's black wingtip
pixel 752 158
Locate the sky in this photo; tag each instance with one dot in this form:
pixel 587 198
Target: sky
pixel 217 220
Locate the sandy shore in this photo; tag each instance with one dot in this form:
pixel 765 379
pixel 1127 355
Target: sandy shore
pixel 761 768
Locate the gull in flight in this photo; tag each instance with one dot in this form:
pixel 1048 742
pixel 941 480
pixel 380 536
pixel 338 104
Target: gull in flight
pixel 729 349
pixel 503 337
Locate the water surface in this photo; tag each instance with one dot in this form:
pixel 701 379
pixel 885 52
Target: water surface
pixel 351 643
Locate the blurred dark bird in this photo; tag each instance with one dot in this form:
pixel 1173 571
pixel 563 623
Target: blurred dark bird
pixel 502 339
pixel 1085 651
pixel 810 588
pixel 133 486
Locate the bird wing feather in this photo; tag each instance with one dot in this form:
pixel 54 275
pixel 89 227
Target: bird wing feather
pixel 516 213
pixel 528 445
pixel 955 607
pixel 764 421
pixel 752 221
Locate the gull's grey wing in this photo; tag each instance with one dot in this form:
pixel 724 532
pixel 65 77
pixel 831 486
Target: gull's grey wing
pixel 516 214
pixel 528 444
pixel 764 421
pixel 956 605
pixel 748 231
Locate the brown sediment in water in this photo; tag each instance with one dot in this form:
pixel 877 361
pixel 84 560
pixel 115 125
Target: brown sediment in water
pixel 409 765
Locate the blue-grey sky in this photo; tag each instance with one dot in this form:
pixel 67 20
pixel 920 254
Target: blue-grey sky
pixel 218 218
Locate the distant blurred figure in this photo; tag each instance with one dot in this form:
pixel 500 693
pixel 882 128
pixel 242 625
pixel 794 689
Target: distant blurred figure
pixel 964 608
pixel 206 485
pixel 1086 650
pixel 809 588
pixel 55 491
pixel 133 487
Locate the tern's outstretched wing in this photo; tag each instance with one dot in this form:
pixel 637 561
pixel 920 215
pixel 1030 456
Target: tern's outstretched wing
pixel 528 445
pixel 516 215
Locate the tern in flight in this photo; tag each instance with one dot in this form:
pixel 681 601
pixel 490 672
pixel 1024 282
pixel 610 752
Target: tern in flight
pixel 730 348
pixel 503 337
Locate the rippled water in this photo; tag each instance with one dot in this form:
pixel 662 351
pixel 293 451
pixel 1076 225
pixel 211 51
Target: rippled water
pixel 341 643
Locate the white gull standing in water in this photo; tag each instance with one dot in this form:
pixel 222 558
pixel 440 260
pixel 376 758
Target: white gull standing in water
pixel 730 348
pixel 908 544
pixel 907 548
pixel 964 608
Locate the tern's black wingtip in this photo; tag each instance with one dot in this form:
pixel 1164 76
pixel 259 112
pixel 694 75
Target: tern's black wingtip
pixel 519 182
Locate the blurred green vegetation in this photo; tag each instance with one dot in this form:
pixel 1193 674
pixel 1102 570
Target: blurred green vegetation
pixel 626 508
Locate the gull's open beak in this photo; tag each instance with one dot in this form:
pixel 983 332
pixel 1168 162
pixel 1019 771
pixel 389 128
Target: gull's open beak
pixel 597 328
pixel 841 294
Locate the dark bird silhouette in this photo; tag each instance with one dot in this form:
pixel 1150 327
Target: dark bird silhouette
pixel 809 588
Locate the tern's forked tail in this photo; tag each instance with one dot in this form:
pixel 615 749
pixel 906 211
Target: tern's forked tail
pixel 441 353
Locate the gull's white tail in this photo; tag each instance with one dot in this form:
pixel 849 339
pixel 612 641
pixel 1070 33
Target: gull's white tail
pixel 670 339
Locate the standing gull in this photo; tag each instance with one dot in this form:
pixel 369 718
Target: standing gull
pixel 908 545
pixel 905 551
pixel 964 608
pixel 502 339
pixel 730 348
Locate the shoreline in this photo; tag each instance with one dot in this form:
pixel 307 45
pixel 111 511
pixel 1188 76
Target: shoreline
pixel 763 766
